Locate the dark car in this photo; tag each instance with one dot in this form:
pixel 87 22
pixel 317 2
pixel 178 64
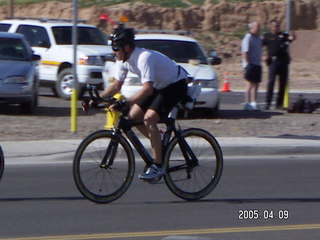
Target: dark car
pixel 18 72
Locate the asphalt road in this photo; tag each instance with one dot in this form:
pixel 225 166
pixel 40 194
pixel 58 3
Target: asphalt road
pixel 41 200
pixel 37 201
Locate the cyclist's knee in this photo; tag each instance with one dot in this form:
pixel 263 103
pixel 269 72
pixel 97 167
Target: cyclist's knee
pixel 151 117
pixel 136 113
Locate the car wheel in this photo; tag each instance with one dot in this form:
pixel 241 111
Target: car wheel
pixel 35 100
pixel 211 112
pixel 29 107
pixel 64 85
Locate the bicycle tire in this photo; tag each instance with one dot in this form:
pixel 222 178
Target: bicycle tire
pixel 204 177
pixel 1 162
pixel 103 184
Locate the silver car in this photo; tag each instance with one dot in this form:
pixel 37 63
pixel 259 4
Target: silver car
pixel 18 72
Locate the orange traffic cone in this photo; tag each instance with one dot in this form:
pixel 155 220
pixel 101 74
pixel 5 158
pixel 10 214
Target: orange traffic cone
pixel 226 84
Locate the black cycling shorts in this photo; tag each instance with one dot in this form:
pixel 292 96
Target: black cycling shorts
pixel 162 101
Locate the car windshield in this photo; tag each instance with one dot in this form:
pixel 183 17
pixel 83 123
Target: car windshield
pixel 86 36
pixel 12 49
pixel 179 51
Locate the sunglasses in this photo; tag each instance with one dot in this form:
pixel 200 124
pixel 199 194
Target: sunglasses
pixel 115 48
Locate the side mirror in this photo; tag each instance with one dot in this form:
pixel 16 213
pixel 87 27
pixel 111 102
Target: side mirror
pixel 214 59
pixel 36 57
pixel 109 57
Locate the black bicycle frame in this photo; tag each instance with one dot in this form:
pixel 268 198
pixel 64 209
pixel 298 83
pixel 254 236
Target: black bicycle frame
pixel 126 126
pixel 190 158
pixel 110 154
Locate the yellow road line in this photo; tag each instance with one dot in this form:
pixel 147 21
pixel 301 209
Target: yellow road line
pixel 172 232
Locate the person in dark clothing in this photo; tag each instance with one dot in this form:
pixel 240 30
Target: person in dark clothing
pixel 278 60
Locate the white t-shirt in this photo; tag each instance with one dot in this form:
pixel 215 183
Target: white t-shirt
pixel 253 46
pixel 150 66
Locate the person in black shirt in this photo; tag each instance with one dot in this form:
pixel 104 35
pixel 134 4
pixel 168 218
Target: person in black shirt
pixel 278 60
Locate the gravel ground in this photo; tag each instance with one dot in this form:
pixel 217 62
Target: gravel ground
pixel 53 122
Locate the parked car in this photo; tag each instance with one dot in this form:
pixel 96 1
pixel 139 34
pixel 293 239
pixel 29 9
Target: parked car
pixel 188 53
pixel 19 78
pixel 52 40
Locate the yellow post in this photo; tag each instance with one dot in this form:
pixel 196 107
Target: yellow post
pixel 74 96
pixel 288 28
pixel 286 95
pixel 74 112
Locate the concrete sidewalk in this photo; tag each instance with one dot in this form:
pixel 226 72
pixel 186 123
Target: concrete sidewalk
pixel 55 151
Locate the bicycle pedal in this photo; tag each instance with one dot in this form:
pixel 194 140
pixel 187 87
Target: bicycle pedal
pixel 153 181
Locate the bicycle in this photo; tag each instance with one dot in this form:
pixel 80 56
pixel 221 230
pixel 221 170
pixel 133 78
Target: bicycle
pixel 104 163
pixel 1 162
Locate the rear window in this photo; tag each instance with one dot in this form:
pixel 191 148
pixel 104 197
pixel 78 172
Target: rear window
pixel 179 51
pixel 4 27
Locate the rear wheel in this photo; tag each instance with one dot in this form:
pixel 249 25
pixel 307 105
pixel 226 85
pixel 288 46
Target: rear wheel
pixel 103 167
pixel 196 180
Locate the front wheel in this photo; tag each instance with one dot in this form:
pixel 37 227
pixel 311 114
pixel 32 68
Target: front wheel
pixel 193 180
pixel 29 107
pixel 65 84
pixel 103 166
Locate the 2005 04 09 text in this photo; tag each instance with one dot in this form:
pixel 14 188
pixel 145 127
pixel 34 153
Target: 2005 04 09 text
pixel 255 214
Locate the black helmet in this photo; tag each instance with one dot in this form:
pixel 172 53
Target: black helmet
pixel 122 37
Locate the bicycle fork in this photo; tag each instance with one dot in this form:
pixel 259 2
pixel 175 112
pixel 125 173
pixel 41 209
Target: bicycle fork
pixel 109 155
pixel 190 158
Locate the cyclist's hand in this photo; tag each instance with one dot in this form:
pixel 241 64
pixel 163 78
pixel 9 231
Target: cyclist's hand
pixel 122 105
pixel 86 104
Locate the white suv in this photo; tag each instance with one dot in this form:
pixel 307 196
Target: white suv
pixel 52 40
pixel 188 53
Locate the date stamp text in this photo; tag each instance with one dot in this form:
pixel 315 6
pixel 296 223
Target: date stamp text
pixel 266 214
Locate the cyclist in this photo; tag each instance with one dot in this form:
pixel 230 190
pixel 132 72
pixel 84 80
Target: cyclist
pixel 163 85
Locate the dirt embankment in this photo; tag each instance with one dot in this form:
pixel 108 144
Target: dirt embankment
pixel 224 17
pixel 215 26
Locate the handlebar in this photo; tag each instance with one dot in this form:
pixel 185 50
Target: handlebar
pixel 95 96
pixel 96 101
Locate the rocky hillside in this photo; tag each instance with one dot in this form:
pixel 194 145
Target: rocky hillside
pixel 217 26
pixel 224 17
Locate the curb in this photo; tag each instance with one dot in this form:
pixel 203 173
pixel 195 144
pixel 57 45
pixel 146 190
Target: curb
pixel 62 151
